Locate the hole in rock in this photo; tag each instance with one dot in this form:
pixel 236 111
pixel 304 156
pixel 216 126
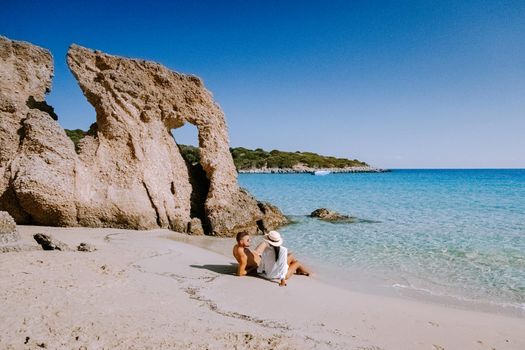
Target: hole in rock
pixel 66 103
pixel 187 138
pixel 78 134
pixel 75 114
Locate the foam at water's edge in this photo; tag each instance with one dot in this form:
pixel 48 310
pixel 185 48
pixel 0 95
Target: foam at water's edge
pixel 515 309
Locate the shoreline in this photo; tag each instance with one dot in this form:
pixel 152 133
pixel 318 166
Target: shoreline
pixel 366 282
pixel 142 289
pixel 305 170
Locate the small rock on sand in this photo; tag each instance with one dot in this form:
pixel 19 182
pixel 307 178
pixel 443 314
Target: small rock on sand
pixel 86 247
pixel 49 243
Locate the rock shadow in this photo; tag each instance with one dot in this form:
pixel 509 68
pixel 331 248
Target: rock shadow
pixel 200 185
pixel 41 106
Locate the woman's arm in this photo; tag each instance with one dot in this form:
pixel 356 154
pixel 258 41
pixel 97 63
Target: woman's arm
pixel 260 248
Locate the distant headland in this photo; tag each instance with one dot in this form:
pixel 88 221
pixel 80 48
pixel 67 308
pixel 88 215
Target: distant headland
pixel 259 161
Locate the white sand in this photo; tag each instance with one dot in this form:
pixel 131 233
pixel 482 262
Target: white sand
pixel 141 290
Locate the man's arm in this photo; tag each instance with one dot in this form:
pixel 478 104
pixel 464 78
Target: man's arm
pixel 260 248
pixel 243 261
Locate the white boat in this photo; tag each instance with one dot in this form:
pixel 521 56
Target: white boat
pixel 322 172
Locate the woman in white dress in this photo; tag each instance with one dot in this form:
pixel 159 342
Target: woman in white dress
pixel 276 263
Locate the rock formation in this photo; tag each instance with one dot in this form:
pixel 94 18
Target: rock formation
pixel 128 172
pixel 331 216
pixel 25 78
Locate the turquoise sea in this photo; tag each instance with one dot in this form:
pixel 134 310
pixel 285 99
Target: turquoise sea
pixel 457 235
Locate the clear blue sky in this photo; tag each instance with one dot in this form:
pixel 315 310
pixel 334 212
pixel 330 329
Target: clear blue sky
pixel 395 83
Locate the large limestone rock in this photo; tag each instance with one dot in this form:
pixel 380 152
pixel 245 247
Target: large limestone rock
pixel 128 172
pixel 25 78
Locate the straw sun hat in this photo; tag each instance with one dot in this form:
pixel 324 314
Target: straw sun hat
pixel 273 238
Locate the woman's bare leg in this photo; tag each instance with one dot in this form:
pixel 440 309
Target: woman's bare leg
pixel 301 269
pixel 292 268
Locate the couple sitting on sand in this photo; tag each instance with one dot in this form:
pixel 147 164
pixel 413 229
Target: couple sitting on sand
pixel 270 259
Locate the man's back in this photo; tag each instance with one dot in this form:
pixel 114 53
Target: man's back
pixel 245 258
pixel 239 251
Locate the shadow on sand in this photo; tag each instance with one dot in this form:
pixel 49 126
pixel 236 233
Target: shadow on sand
pixel 230 269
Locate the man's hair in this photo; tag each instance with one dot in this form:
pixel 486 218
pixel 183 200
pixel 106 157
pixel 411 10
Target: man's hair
pixel 241 235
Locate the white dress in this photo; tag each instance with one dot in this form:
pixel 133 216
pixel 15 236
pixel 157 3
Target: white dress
pixel 271 269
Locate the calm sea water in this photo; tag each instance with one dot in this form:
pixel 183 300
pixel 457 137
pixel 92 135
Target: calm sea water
pixel 453 233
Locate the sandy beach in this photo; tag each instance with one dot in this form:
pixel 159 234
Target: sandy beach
pixel 383 140
pixel 145 290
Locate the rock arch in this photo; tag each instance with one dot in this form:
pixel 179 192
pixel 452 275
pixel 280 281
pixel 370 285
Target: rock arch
pixel 129 171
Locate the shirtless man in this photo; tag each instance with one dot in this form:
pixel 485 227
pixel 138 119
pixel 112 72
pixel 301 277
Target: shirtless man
pixel 248 260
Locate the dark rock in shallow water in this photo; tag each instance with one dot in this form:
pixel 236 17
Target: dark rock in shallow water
pixel 49 243
pixel 331 216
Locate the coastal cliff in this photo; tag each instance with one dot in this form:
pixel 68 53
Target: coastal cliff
pixel 128 171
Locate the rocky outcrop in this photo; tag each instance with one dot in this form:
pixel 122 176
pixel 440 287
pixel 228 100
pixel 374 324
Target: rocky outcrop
pixel 331 216
pixel 272 217
pixel 128 172
pixel 8 234
pixel 26 73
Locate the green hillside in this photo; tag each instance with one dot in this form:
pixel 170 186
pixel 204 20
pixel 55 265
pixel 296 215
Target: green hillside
pixel 254 159
pixel 246 158
pixel 75 136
